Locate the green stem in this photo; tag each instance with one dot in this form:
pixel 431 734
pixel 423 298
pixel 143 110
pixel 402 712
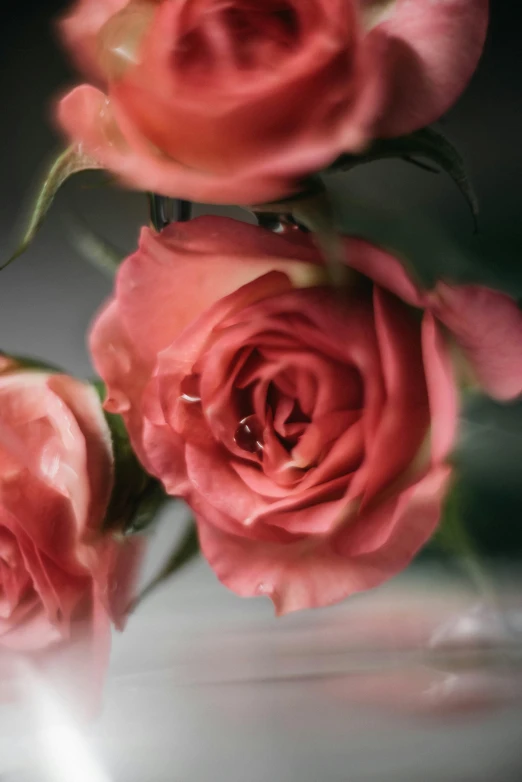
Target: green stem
pixel 454 537
pixel 182 553
pixel 162 212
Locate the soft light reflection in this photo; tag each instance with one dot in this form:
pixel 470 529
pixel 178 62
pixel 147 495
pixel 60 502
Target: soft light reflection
pixel 65 754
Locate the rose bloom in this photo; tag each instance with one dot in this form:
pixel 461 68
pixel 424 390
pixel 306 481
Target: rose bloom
pixel 307 428
pixel 233 102
pixel 62 581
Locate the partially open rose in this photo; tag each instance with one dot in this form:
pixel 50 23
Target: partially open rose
pixel 234 102
pixel 309 431
pixel 62 580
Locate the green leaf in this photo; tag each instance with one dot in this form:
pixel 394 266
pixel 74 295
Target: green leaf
pixel 451 534
pixel 427 144
pixel 453 537
pixel 136 496
pixel 29 363
pixel 186 550
pixel 145 511
pixel 70 162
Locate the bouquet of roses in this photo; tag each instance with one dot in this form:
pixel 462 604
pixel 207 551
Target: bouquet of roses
pixel 296 382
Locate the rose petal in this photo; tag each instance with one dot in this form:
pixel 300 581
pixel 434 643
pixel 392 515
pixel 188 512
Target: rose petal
pixel 318 572
pixel 41 435
pixel 208 469
pixel 442 389
pixel 83 400
pixel 124 371
pixel 384 269
pixel 165 456
pixel 115 577
pixel 405 415
pixel 87 118
pixel 168 269
pixel 487 325
pixel 236 144
pixel 32 632
pixel 435 47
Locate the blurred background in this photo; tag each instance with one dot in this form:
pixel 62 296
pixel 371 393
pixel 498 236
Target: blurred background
pixel 204 686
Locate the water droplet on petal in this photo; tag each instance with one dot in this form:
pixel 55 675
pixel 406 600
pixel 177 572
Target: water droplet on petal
pixel 190 389
pixel 117 403
pixel 249 435
pixel 120 38
pixel 264 589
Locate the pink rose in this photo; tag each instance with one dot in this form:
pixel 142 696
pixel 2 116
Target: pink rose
pixel 61 579
pixel 308 431
pixel 232 102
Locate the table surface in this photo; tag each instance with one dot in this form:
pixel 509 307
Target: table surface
pixel 204 685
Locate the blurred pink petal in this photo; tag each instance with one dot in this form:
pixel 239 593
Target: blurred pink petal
pixel 487 325
pixel 435 47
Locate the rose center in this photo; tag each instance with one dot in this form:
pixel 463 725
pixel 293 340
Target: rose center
pixel 274 405
pixel 244 35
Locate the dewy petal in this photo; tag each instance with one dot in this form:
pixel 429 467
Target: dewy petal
pixel 212 476
pixel 294 576
pixel 435 47
pixel 487 325
pixel 316 571
pixel 205 259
